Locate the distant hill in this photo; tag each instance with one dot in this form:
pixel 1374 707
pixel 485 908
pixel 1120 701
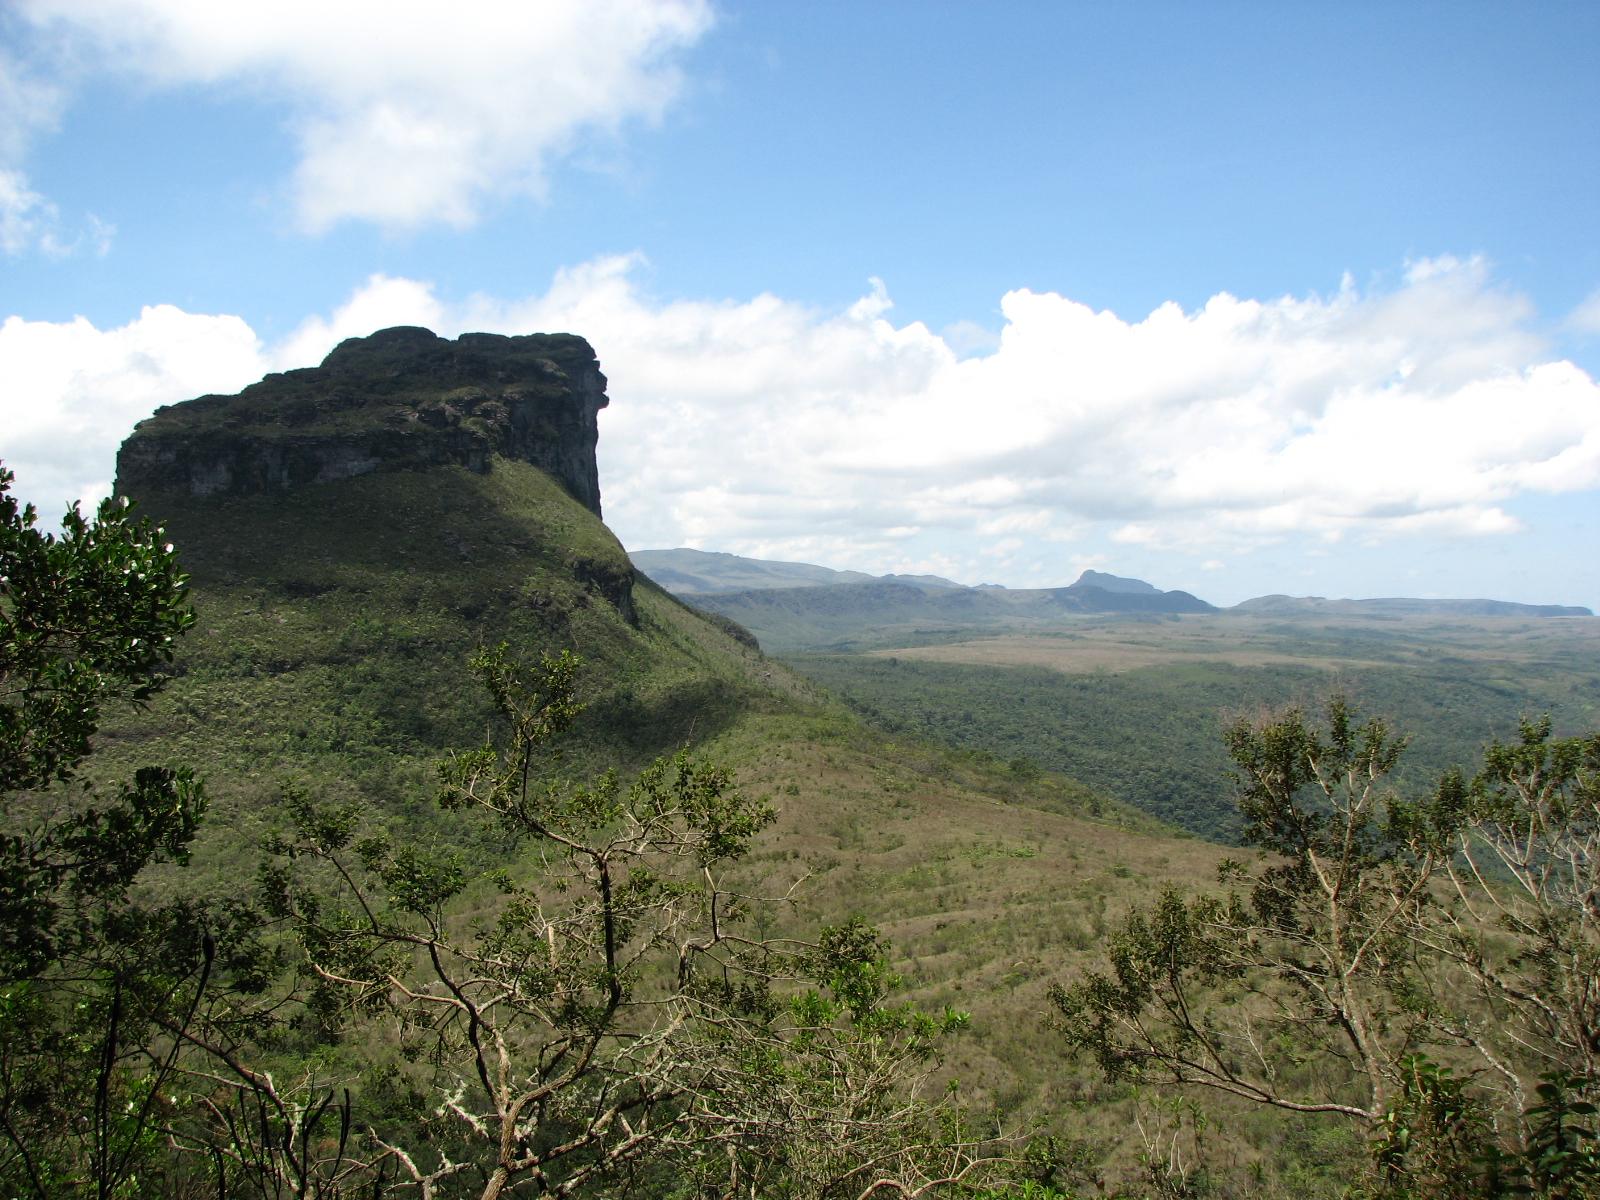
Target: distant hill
pixel 1401 606
pixel 882 611
pixel 696 572
pixel 1115 583
pixel 1098 592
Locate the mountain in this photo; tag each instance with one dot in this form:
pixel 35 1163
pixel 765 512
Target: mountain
pixel 402 399
pixel 884 612
pixel 1097 592
pixel 355 530
pixel 687 572
pixel 1115 583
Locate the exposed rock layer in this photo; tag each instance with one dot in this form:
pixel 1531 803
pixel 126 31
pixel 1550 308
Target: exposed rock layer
pixel 400 399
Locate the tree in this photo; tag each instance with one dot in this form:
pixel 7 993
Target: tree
pixel 603 1014
pixel 1526 875
pixel 87 617
pixel 1378 969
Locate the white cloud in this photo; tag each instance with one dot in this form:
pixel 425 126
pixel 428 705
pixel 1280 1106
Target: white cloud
pixel 407 112
pixel 1421 409
pixel 1003 550
pixel 766 427
pixel 69 393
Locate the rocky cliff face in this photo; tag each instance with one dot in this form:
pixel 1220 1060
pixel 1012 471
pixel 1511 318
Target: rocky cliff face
pixel 401 399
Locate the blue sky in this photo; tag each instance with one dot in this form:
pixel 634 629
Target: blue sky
pixel 1239 298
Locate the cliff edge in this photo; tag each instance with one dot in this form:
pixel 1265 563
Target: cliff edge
pixel 401 399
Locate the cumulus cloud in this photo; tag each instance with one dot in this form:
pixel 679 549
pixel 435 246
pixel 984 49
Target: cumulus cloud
pixel 766 427
pixel 406 112
pixel 69 392
pixel 1425 408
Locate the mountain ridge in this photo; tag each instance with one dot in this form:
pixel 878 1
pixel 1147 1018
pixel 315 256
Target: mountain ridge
pixel 686 571
pixel 802 606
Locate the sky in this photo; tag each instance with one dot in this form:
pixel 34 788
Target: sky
pixel 1239 298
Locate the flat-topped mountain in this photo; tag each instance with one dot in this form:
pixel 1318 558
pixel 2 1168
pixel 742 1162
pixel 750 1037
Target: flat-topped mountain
pixel 401 399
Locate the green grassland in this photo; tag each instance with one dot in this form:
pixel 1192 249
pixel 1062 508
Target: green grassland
pixel 1133 707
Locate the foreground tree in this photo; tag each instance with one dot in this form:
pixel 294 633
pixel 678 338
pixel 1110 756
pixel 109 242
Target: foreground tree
pixel 1525 925
pixel 87 618
pixel 588 1016
pixel 1379 968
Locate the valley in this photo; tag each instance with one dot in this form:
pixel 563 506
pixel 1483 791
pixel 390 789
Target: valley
pixel 1133 703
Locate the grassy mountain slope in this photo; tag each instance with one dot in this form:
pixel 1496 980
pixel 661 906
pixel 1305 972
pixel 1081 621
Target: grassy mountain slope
pixel 336 622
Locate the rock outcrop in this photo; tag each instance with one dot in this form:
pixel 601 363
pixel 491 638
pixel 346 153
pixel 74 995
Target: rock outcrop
pixel 401 399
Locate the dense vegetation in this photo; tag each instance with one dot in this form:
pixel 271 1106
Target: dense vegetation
pixel 1151 736
pixel 87 972
pixel 1425 966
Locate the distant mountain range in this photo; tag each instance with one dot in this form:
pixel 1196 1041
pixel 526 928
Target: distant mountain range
pixel 696 572
pixel 1402 606
pixel 794 606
